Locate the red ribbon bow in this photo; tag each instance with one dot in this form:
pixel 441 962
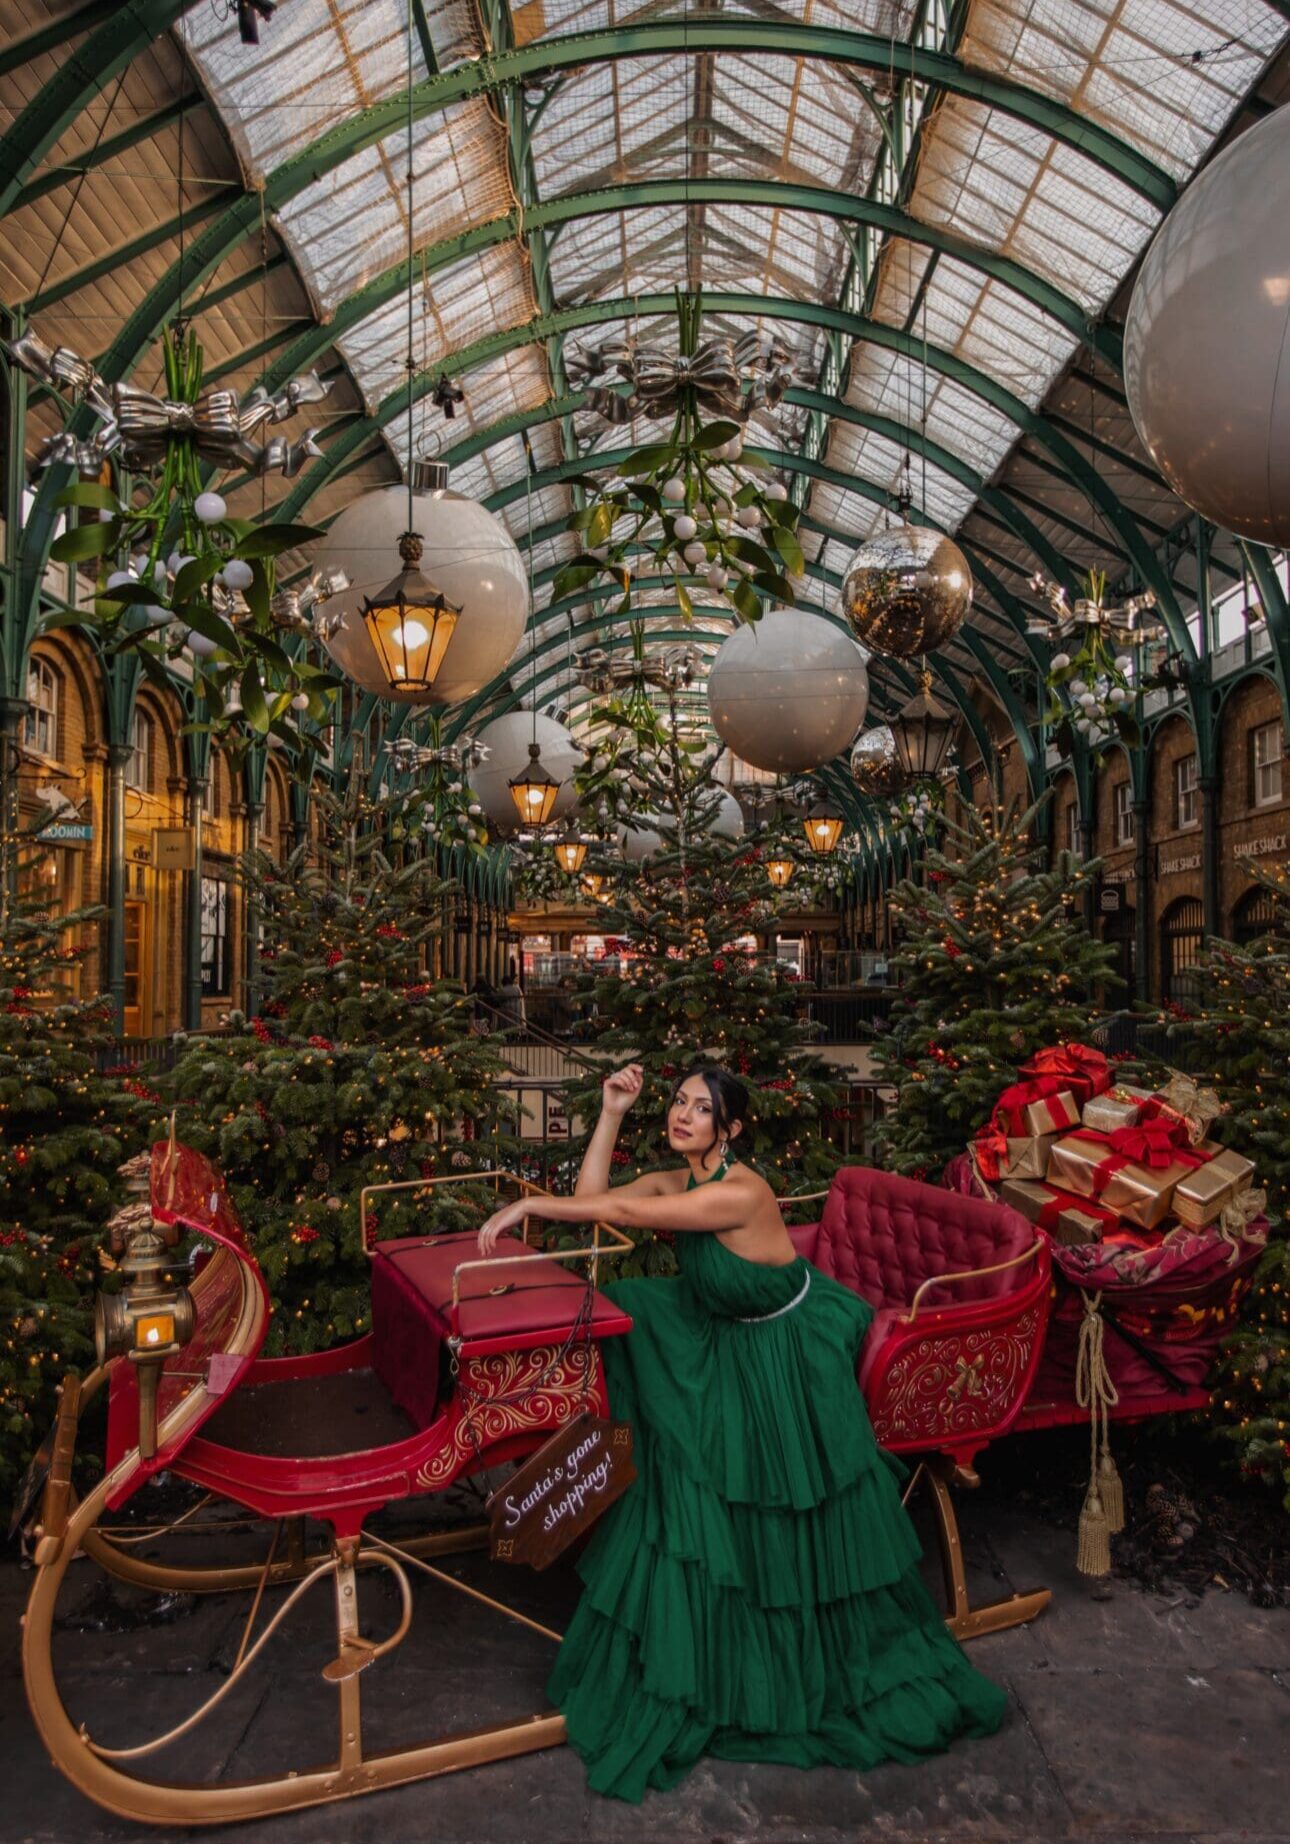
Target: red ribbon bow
pixel 1083 1068
pixel 1154 1143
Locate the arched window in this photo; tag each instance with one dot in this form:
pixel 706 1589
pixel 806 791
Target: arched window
pixel 138 770
pixel 1182 934
pixel 1253 917
pixel 40 728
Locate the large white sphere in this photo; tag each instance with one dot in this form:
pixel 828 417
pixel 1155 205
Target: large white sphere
pixel 507 741
pixel 728 820
pixel 638 842
pixel 467 553
pixel 788 692
pixel 1205 343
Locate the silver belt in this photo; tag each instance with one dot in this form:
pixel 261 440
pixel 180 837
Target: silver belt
pixel 798 1297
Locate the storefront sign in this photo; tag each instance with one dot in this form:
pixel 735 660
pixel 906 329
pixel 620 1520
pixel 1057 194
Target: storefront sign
pixel 174 848
pixel 561 1491
pixel 1109 900
pixel 1261 848
pixel 66 832
pixel 1124 875
pixel 1167 866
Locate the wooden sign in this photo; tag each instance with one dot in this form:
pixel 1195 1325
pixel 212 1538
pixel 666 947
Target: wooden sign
pixel 174 848
pixel 557 1494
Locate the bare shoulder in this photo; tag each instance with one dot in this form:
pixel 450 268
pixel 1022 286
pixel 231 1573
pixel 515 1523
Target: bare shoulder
pixel 747 1179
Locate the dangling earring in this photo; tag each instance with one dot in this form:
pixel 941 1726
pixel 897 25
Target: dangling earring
pixel 725 1150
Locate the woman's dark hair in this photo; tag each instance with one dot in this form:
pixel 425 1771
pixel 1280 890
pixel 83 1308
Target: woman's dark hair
pixel 729 1098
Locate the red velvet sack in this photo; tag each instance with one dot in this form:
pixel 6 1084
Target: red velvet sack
pixel 1166 1307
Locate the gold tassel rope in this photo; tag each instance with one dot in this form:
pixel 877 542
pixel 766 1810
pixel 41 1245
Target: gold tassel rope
pixel 1103 1510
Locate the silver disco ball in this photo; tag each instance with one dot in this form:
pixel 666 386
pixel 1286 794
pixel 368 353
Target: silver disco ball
pixel 907 591
pixel 875 767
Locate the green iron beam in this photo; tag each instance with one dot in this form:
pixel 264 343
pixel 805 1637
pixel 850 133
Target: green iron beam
pixel 128 30
pixel 51 178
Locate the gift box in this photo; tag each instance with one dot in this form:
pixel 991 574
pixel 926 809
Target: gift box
pixel 1133 1171
pixel 1203 1195
pixel 1037 1107
pixel 1077 1066
pixel 1122 1106
pixel 1068 1219
pixel 1027 1155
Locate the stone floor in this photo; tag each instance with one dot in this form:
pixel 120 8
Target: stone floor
pixel 1133 1718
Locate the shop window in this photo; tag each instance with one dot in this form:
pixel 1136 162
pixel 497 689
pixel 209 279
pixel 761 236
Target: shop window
pixel 1072 830
pixel 138 770
pixel 1266 753
pixel 40 727
pixel 1182 936
pixel 216 981
pixel 1253 917
pixel 1186 794
pixel 1125 820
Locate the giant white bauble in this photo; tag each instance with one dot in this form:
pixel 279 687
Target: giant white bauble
pixel 507 741
pixel 788 692
pixel 728 820
pixel 467 553
pixel 1207 337
pixel 638 842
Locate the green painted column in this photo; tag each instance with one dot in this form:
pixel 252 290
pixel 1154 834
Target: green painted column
pixel 251 915
pixel 118 757
pixel 1141 899
pixel 193 909
pixel 1208 787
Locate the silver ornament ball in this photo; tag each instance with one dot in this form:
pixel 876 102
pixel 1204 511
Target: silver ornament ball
pixel 907 591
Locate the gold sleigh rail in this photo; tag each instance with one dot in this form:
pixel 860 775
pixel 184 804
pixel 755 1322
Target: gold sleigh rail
pixel 969 1274
pixel 618 1244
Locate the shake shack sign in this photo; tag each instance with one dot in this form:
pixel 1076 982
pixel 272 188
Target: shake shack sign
pixel 561 1491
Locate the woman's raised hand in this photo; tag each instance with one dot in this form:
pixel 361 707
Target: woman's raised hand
pixel 620 1090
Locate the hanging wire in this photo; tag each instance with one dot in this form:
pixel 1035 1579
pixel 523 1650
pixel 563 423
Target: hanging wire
pixel 57 244
pixel 411 358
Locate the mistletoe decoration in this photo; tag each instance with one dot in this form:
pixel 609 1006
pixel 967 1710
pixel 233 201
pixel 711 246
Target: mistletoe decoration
pixel 695 503
pixel 920 806
pixel 177 577
pixel 443 802
pixel 1094 678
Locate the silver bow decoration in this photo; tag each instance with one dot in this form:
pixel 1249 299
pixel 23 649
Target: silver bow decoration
pixel 729 377
pixel 1199 1107
pixel 140 425
pixel 291 608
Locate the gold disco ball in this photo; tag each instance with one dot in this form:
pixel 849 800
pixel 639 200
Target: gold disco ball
pixel 907 591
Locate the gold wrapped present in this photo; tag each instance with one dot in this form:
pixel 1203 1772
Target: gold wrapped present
pixel 1139 1191
pixel 1028 1157
pixel 1120 1107
pixel 1203 1195
pixel 1066 1218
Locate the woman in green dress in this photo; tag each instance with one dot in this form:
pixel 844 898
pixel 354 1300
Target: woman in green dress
pixel 755 1593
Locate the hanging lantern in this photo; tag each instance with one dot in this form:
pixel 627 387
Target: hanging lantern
pixel 923 733
pixel 593 883
pixel 410 623
pixel 569 853
pixel 780 868
pixel 823 828
pixel 534 790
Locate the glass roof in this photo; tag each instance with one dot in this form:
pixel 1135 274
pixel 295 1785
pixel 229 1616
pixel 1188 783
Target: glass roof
pixel 1022 228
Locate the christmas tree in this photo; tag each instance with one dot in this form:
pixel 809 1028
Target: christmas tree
pixel 64 1129
pixel 360 1069
pixel 693 984
pixel 994 962
pixel 1238 1040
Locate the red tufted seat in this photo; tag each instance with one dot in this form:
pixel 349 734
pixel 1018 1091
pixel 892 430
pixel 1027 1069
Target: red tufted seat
pixel 886 1237
pixel 946 1371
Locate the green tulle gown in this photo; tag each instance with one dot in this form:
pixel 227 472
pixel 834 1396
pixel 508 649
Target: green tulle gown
pixel 755 1594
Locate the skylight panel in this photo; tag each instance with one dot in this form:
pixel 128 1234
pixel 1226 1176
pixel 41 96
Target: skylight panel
pixel 459 305
pixel 459 165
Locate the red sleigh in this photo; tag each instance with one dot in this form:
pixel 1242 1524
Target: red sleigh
pixel 335 1436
